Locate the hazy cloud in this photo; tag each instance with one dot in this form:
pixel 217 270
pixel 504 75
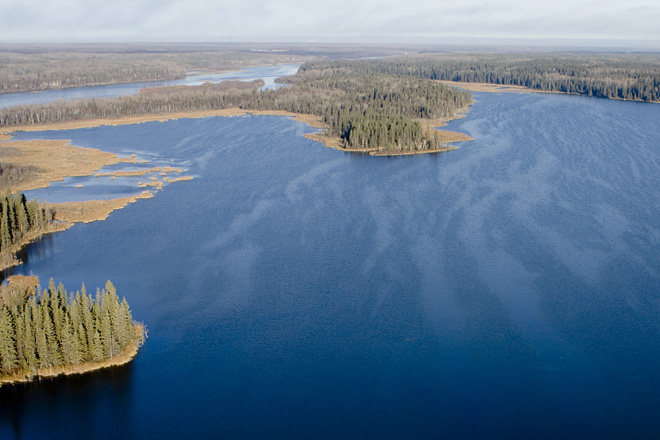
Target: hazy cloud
pixel 209 20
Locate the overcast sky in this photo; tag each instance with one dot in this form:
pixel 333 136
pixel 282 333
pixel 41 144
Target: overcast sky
pixel 301 20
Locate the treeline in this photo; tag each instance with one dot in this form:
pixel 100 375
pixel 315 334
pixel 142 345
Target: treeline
pixel 365 109
pixel 21 72
pixel 53 328
pixel 614 76
pixel 21 219
pixel 28 67
pixel 153 101
pixel 47 69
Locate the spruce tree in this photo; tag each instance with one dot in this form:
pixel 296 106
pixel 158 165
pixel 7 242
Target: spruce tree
pixel 65 343
pixel 89 330
pixel 8 355
pixel 96 347
pixel 82 338
pixel 107 338
pixel 54 353
pixel 30 344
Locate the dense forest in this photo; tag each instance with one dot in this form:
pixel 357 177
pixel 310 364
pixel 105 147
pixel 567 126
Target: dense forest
pixel 40 67
pixel 616 76
pixel 53 328
pixel 366 110
pixel 21 221
pixel 19 72
pixel 627 76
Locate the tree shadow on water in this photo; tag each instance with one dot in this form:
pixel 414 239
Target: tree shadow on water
pixel 91 405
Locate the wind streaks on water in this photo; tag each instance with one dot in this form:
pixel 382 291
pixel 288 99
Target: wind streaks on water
pixel 508 289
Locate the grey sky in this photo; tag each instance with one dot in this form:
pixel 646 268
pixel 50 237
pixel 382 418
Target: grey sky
pixel 232 20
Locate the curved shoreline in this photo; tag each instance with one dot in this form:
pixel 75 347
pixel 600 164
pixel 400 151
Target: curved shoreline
pixel 311 120
pixel 122 358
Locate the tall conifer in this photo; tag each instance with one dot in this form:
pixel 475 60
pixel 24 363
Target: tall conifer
pixel 8 355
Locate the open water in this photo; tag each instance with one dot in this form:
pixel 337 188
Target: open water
pixel 509 289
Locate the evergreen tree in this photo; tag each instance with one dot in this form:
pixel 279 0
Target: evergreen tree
pixel 30 344
pixel 96 348
pixel 54 353
pixel 8 355
pixel 89 330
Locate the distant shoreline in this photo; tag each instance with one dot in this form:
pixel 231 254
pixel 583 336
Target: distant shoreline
pixel 495 88
pixel 172 78
pixel 506 88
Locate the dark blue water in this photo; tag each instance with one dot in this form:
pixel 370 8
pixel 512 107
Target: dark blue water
pixel 267 73
pixel 509 289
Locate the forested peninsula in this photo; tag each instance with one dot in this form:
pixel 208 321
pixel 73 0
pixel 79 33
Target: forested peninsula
pixel 375 111
pixel 51 332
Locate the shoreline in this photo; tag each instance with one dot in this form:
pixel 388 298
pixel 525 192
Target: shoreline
pixel 505 88
pixel 122 358
pixel 56 160
pixel 187 74
pixel 90 211
pixel 311 120
pixel 8 258
pixel 495 88
pixel 203 70
pixel 47 161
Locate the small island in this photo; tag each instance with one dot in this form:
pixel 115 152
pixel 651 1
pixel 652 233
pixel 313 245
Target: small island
pixel 46 333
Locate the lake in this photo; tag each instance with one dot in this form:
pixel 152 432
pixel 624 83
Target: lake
pixel 508 289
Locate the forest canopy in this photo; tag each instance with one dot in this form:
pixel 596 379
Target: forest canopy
pixel 633 77
pixel 52 328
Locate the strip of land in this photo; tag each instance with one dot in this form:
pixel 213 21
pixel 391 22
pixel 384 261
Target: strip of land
pixel 136 173
pixel 311 120
pixel 27 165
pixel 177 179
pixel 46 161
pixel 493 88
pixel 334 142
pixel 93 210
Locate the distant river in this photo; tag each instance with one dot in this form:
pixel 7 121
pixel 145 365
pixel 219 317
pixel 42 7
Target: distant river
pixel 509 289
pixel 267 73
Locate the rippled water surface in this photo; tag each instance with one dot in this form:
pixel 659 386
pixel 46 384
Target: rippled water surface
pixel 509 289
